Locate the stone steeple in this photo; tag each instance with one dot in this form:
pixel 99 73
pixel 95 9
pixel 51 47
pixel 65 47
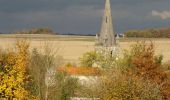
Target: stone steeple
pixel 107 37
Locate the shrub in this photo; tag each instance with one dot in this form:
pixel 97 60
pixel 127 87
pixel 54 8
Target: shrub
pixel 45 80
pixel 101 60
pixel 138 76
pixel 65 88
pixel 141 60
pixel 13 72
pixel 39 64
pixel 118 86
pixel 166 66
pixel 89 58
pixel 143 63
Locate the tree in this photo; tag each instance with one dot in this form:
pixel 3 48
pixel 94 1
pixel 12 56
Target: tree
pixel 143 63
pixel 42 69
pixel 103 60
pixel 137 75
pixel 13 72
pixel 89 58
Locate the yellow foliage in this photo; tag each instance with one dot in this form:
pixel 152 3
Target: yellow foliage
pixel 13 73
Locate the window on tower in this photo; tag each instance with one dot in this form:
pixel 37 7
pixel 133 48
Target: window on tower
pixel 106 19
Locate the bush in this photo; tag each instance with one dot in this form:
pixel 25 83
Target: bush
pixel 47 86
pixel 166 66
pixel 65 87
pixel 138 75
pixel 143 63
pixel 89 58
pixel 13 72
pixel 101 60
pixel 116 85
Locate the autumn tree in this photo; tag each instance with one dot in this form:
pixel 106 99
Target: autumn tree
pixel 138 75
pixel 141 61
pixel 13 72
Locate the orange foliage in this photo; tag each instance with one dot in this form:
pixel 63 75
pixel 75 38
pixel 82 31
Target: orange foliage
pixel 148 66
pixel 80 70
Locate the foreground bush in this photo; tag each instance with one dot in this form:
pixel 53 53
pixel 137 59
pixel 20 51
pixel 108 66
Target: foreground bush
pixel 138 75
pixel 95 59
pixel 119 86
pixel 89 58
pixel 144 64
pixel 45 81
pixel 13 72
pixel 65 87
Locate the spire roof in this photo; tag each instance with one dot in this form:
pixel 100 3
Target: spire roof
pixel 107 37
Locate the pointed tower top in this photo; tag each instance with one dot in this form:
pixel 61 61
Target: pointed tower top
pixel 107 37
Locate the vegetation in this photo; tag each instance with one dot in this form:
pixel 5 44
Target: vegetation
pixel 13 72
pixel 121 86
pixel 49 84
pixel 138 74
pixel 149 33
pixel 89 58
pixel 23 75
pixel 95 59
pixel 87 71
pixel 36 31
pixel 64 88
pixel 145 65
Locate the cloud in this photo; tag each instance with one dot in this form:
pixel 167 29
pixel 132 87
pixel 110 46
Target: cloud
pixel 79 16
pixel 162 15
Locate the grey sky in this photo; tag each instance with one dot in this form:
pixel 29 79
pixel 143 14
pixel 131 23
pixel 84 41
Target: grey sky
pixel 82 16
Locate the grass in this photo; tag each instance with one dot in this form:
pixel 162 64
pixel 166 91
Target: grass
pixel 48 37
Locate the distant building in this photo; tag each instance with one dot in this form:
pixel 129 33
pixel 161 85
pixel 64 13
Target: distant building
pixel 106 36
pixel 105 40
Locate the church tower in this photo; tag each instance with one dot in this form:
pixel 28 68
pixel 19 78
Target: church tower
pixel 106 37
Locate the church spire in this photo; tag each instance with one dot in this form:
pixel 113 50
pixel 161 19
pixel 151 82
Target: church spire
pixel 107 36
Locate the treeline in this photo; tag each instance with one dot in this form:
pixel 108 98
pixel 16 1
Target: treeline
pixel 149 33
pixel 78 34
pixel 36 31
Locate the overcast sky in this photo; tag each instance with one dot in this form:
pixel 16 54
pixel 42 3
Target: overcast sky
pixel 82 16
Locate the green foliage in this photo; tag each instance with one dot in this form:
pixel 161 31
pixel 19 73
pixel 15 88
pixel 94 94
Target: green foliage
pixel 64 85
pixel 37 71
pixel 102 60
pixel 89 58
pixel 39 63
pixel 64 88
